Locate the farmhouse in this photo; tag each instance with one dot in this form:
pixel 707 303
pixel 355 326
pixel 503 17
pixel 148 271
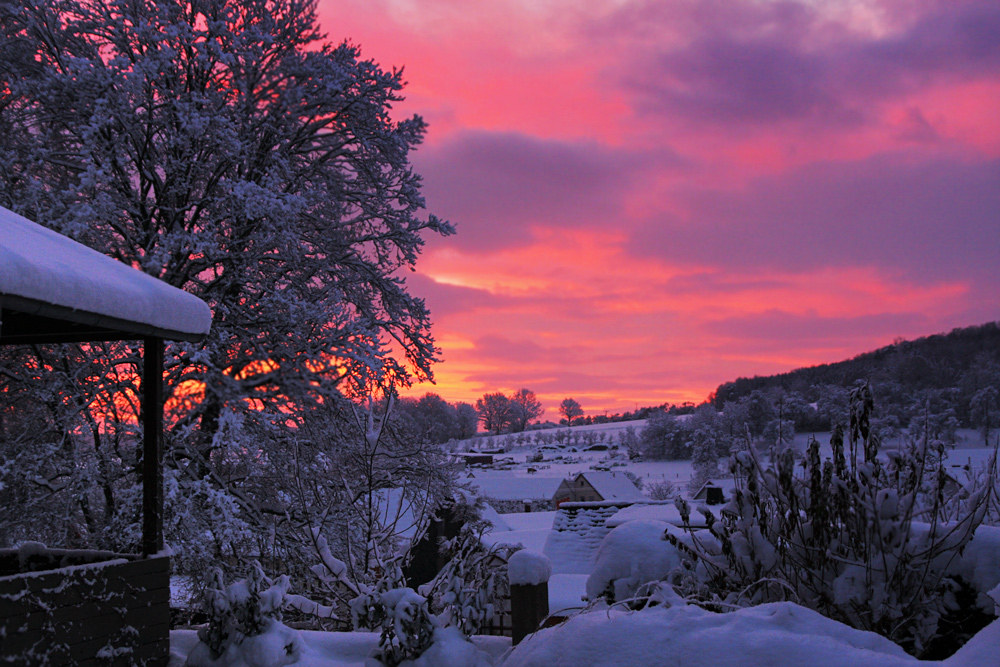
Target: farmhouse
pixel 597 486
pixel 88 607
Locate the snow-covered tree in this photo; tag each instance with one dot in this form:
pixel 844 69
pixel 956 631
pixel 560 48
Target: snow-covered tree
pixel 705 463
pixel 665 437
pixel 221 146
pixel 985 411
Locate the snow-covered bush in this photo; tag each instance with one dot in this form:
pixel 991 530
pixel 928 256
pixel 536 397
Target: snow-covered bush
pixel 368 610
pixel 466 591
pixel 661 490
pixel 842 538
pixel 630 556
pixel 245 623
pixel 407 626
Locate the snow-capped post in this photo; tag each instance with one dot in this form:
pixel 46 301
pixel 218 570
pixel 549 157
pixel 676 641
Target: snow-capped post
pixel 529 573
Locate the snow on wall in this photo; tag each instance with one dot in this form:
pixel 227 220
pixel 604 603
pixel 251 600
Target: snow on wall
pixel 657 511
pixel 771 634
pixel 577 532
pixel 37 263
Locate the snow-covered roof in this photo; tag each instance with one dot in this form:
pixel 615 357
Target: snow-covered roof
pixel 613 486
pixel 728 486
pixel 47 274
pixel 516 488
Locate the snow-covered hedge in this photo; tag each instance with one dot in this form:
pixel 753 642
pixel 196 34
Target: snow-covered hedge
pixel 863 538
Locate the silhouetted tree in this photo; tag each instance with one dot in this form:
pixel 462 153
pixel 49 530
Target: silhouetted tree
pixel 494 411
pixel 468 420
pixel 525 406
pixel 570 409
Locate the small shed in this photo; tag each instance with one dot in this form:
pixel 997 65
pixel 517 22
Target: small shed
pixel 87 607
pixel 475 458
pixel 715 493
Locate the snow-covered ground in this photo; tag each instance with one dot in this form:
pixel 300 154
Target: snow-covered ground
pixel 781 635
pixel 328 649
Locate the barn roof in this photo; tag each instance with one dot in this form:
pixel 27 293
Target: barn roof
pixel 516 488
pixel 613 485
pixel 53 289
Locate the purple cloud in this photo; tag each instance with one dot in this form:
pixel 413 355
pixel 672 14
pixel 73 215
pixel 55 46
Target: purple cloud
pixel 496 186
pixel 933 221
pixel 776 329
pixel 766 64
pixel 444 300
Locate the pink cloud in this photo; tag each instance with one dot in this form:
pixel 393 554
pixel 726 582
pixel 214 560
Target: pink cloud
pixel 654 197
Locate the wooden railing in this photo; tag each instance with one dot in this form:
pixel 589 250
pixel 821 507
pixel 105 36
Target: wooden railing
pixel 110 612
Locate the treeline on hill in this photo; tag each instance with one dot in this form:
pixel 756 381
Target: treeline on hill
pixel 432 420
pixel 962 360
pixel 923 389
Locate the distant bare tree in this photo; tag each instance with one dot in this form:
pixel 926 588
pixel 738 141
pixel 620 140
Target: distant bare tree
pixel 570 409
pixel 525 406
pixel 468 420
pixel 494 411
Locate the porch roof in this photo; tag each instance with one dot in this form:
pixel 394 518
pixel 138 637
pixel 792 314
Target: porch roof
pixel 53 289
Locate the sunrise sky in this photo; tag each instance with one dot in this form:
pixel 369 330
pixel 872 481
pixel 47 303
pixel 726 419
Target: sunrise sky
pixel 653 197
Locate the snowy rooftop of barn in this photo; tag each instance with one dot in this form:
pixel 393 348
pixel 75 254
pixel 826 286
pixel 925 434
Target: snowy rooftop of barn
pixel 613 486
pixel 509 487
pixel 45 274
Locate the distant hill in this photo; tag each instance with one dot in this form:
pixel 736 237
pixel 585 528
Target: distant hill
pixel 964 360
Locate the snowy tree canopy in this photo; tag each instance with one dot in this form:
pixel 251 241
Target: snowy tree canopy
pixel 217 146
pixel 220 146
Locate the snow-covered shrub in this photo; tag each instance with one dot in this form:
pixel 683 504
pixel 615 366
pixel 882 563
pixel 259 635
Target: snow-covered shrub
pixel 407 626
pixel 631 555
pixel 245 620
pixel 368 610
pixel 466 591
pixel 661 490
pixel 842 538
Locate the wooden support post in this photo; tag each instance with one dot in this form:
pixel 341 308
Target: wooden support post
pixel 152 450
pixel 529 606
